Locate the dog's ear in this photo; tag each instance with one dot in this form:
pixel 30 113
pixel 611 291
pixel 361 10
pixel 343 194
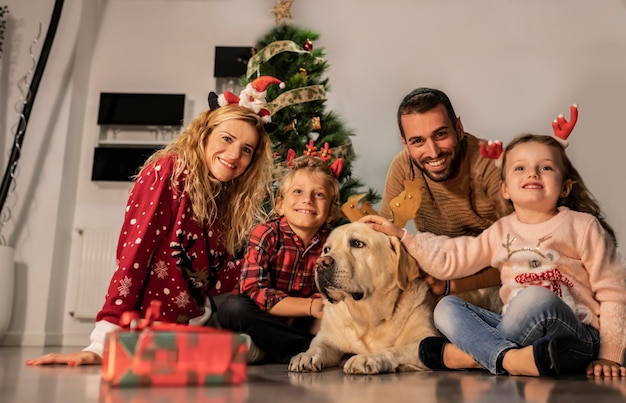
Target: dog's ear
pixel 406 266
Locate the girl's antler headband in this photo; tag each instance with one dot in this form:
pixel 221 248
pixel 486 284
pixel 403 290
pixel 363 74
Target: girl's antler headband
pixel 561 127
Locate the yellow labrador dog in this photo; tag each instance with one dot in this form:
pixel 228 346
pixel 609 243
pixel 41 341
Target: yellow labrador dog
pixel 376 306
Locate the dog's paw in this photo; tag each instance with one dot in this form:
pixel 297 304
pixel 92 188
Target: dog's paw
pixel 368 364
pixel 306 362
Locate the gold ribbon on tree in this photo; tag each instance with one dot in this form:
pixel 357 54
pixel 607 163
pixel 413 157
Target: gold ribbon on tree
pixel 292 97
pixel 268 52
pixel 297 96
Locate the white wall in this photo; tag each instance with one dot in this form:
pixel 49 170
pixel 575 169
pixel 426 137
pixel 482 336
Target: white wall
pixel 508 66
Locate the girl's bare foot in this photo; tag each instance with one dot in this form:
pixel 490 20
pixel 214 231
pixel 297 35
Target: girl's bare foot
pixel 455 358
pixel 520 362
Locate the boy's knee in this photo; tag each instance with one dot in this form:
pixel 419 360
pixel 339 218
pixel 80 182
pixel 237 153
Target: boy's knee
pixel 232 310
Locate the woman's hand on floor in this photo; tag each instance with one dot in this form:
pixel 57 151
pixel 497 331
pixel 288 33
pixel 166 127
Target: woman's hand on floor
pixel 71 359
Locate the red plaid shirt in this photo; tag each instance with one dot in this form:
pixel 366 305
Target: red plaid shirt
pixel 277 265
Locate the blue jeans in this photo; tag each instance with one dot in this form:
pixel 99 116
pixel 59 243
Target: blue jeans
pixel 534 313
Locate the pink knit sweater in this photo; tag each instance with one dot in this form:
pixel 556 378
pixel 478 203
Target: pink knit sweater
pixel 570 254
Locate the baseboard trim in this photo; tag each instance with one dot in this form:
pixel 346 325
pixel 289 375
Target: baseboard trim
pixel 24 340
pixel 48 340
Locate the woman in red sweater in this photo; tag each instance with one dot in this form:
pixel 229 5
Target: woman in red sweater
pixel 191 208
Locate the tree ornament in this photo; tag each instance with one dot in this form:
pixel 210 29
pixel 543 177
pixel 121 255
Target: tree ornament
pixel 316 123
pixel 308 45
pixel 292 126
pixel 305 74
pixel 281 10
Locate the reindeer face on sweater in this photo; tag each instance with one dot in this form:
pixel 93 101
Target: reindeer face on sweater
pixel 532 265
pixel 534 261
pixel 539 266
pixel 196 277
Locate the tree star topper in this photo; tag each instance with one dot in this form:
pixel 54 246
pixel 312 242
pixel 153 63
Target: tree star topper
pixel 281 10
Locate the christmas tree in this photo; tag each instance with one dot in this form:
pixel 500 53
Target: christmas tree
pixel 298 110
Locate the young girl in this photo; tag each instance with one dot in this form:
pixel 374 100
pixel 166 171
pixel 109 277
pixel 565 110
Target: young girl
pixel 278 302
pixel 190 209
pixel 560 274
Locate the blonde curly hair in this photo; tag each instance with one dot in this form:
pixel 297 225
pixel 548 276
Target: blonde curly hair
pixel 235 206
pixel 318 168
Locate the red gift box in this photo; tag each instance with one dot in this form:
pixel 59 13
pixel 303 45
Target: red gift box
pixel 154 354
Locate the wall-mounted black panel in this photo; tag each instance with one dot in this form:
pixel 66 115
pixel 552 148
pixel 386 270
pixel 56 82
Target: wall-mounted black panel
pixel 118 164
pixel 141 109
pixel 231 61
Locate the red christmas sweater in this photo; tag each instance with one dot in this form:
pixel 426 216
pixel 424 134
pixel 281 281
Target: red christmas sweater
pixel 162 254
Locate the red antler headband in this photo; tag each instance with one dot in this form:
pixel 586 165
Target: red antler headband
pixel 335 167
pixel 561 127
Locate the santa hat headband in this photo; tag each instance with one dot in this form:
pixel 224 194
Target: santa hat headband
pixel 561 127
pixel 260 84
pixel 251 97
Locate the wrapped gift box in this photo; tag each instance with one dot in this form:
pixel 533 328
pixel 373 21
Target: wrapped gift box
pixel 173 355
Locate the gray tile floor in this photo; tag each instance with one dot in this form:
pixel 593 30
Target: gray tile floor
pixel 273 383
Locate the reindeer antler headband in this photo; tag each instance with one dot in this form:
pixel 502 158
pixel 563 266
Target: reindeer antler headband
pixel 561 127
pixel 335 167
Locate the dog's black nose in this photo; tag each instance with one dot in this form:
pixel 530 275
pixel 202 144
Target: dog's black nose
pixel 325 275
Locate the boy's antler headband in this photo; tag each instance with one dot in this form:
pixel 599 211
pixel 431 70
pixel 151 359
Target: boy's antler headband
pixel 562 129
pixel 252 97
pixel 335 167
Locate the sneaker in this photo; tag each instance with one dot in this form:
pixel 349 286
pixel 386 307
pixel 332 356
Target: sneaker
pixel 254 354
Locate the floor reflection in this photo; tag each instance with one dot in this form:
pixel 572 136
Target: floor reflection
pixel 273 383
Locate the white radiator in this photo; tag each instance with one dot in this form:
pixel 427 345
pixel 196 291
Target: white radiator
pixel 97 264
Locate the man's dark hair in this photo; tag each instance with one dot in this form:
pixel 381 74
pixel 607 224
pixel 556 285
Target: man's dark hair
pixel 422 100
